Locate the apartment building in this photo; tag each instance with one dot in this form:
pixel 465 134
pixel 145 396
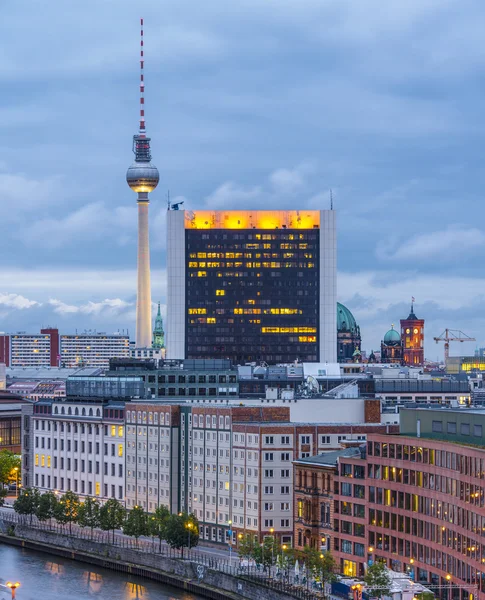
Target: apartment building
pixel 75 445
pixel 152 456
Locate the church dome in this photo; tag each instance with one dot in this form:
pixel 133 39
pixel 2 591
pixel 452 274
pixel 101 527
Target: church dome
pixel 392 337
pixel 345 319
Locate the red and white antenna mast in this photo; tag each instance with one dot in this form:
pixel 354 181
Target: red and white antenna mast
pixel 142 84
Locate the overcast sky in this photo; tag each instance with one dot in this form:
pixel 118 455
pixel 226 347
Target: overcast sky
pixel 250 103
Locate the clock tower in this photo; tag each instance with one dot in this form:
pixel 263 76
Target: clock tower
pixel 412 336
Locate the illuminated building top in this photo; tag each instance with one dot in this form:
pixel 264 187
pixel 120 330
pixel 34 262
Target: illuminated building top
pixel 252 219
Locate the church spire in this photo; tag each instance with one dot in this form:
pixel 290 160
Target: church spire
pixel 158 332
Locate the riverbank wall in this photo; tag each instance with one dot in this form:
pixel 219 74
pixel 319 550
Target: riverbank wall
pixel 188 575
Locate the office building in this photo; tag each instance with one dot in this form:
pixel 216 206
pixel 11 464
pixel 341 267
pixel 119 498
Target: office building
pixel 252 286
pixel 416 501
pixel 49 349
pixel 75 445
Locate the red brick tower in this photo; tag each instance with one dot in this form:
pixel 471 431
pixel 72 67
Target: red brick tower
pixel 412 335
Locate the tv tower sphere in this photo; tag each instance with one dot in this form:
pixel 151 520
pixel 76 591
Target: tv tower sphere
pixel 142 176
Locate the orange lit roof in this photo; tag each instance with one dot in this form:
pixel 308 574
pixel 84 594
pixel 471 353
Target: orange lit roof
pixel 252 219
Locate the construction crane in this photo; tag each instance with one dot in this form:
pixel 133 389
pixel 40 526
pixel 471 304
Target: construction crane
pixel 452 335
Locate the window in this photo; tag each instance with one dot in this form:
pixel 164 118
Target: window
pixel 285 489
pixel 305 439
pixel 477 430
pixel 285 473
pixel 285 456
pixel 268 473
pixel 437 426
pixel 268 489
pixel 268 506
pixel 285 506
pixel 465 429
pixel 120 450
pixel 285 440
pixel 451 427
pixel 268 522
pixel 269 439
pixel 268 456
pixel 285 522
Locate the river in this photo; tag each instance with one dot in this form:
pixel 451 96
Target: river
pixel 47 577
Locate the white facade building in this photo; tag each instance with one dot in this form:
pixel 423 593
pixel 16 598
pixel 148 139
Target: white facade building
pixel 77 446
pixel 28 350
pixel 93 349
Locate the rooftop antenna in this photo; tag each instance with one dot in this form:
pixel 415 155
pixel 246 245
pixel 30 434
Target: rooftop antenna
pixel 331 199
pixel 142 84
pixel 168 199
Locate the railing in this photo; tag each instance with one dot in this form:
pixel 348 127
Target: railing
pixel 293 586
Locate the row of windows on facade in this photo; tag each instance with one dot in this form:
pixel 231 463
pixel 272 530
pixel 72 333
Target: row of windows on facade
pixel 164 477
pixel 77 446
pixel 9 432
pixel 466 429
pixel 466 465
pixel 192 379
pixel 171 391
pixel 78 487
pixel 425 529
pixel 81 428
pixel 43 460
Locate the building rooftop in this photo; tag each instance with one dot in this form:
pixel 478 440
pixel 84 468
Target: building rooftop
pixel 37 373
pixel 331 458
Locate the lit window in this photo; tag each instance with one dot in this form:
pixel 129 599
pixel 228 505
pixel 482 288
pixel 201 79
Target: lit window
pixel 42 461
pixel 220 292
pixel 120 449
pixel 120 431
pixel 36 460
pixel 113 430
pixel 98 488
pixel 48 461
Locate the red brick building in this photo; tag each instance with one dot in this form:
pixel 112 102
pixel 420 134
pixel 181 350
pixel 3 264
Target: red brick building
pixel 418 505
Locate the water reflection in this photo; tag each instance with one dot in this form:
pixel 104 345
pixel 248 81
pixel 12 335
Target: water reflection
pixel 54 568
pixel 93 582
pixel 134 591
pixel 48 577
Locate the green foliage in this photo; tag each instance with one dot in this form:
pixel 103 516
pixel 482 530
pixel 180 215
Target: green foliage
pixel 88 515
pixel 67 509
pixel 3 494
pixel 246 546
pixel 377 580
pixel 267 553
pixel 136 523
pixel 425 596
pixel 111 516
pixel 182 531
pixel 27 502
pixel 10 464
pixel 47 506
pixel 158 522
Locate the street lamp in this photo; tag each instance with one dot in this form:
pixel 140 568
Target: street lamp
pixel 13 587
pixel 272 545
pixel 16 469
pixel 189 527
pixel 230 542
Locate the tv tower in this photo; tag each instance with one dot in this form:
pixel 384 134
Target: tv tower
pixel 143 177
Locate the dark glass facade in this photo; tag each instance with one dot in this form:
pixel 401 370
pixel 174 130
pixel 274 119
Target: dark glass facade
pixel 252 294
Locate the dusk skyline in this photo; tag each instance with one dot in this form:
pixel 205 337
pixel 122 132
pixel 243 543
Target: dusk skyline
pixel 269 105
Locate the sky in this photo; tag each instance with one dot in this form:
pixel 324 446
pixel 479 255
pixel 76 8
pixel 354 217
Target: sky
pixel 248 104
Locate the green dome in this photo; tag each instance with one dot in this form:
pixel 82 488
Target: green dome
pixel 392 337
pixel 345 319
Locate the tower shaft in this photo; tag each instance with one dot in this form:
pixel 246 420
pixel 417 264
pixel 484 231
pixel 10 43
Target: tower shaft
pixel 143 301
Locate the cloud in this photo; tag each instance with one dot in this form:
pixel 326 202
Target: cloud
pixel 449 244
pixel 16 301
pixel 21 192
pixel 114 306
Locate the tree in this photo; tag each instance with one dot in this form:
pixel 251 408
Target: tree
pixel 136 523
pixel 47 506
pixel 327 567
pixel 377 580
pixel 111 516
pixel 182 531
pixel 246 547
pixel 88 515
pixel 67 509
pixel 10 464
pixel 158 523
pixel 266 553
pixel 27 502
